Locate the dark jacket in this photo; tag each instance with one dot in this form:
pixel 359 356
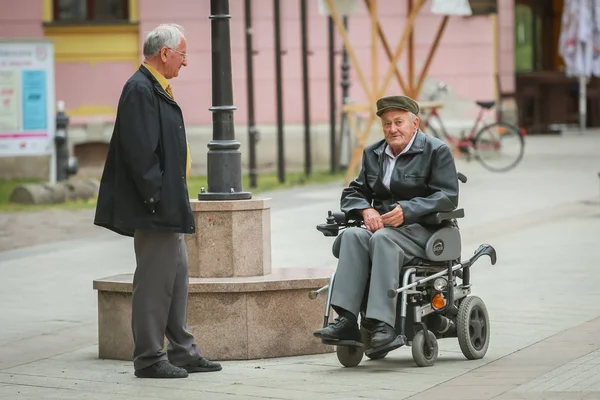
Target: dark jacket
pixel 143 184
pixel 424 181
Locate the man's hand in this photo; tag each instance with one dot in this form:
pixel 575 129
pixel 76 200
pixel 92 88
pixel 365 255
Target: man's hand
pixel 372 219
pixel 394 217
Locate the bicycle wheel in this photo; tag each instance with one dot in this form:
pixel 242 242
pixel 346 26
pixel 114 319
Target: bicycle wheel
pixel 499 147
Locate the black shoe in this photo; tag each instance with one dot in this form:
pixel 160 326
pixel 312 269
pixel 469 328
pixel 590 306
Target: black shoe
pixel 368 324
pixel 382 334
pixel 202 365
pixel 342 331
pixel 162 369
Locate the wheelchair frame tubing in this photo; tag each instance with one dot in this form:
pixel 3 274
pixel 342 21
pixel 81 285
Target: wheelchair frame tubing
pixel 450 279
pixel 466 278
pixel 408 276
pixel 328 302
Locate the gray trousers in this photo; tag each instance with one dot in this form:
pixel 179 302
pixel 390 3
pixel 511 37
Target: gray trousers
pixel 383 253
pixel 159 303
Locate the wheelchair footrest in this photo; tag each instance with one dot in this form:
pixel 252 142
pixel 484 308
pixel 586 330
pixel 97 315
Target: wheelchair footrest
pixel 393 345
pixel 338 342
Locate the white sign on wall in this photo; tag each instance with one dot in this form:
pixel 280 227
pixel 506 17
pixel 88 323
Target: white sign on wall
pixel 27 114
pixel 451 7
pixel 343 7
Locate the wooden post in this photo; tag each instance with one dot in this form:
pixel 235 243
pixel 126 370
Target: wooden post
pixel 495 58
pixel 432 51
pixel 374 92
pixel 374 52
pixel 353 58
pixel 388 52
pixel 407 31
pixel 411 55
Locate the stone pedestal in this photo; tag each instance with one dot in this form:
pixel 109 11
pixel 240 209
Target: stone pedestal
pixel 231 318
pixel 238 308
pixel 233 238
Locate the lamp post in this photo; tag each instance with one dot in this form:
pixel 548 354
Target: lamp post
pixel 224 160
pixel 252 131
pixel 279 91
pixel 345 132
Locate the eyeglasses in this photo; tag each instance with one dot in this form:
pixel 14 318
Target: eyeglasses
pixel 184 55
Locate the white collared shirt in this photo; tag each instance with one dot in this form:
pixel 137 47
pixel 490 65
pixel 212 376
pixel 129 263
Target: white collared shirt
pixel 389 161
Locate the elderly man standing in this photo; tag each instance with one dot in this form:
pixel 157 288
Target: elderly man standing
pixel 404 177
pixel 143 193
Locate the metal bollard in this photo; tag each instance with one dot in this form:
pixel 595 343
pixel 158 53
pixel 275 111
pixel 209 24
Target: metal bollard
pixel 65 165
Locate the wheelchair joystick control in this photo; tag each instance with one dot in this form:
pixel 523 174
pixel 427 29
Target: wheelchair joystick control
pixel 330 218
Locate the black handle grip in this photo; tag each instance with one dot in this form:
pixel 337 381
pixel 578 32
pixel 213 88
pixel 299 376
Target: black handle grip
pixel 484 250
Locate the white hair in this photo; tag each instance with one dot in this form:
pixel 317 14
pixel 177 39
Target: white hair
pixel 411 116
pixel 164 35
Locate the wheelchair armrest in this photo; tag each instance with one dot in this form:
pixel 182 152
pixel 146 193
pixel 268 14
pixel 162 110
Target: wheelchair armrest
pixel 329 229
pixel 335 221
pixel 439 217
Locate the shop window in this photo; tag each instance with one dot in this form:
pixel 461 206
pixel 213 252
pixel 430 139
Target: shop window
pixel 528 35
pixel 483 7
pixel 79 11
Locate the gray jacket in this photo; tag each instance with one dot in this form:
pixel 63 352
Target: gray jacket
pixel 424 181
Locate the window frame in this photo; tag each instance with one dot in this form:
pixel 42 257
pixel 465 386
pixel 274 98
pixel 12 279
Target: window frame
pixel 90 14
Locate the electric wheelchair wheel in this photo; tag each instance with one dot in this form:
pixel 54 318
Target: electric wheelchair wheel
pixel 349 356
pixel 424 357
pixel 473 328
pixel 366 338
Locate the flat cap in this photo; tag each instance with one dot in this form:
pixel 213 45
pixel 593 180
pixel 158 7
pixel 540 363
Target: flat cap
pixel 397 102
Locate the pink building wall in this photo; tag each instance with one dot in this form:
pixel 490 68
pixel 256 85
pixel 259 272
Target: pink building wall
pixel 21 19
pixel 84 84
pixel 464 58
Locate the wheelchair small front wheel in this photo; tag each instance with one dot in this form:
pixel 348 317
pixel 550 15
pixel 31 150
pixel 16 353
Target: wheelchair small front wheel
pixel 473 328
pixel 349 356
pixel 423 356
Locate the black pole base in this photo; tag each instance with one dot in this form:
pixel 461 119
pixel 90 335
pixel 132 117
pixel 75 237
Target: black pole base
pixel 203 196
pixel 224 165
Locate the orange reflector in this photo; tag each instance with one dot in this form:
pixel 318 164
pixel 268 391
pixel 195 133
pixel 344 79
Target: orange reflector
pixel 438 301
pixel 501 130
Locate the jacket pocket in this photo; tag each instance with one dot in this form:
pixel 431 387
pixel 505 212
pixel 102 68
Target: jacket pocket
pixel 414 176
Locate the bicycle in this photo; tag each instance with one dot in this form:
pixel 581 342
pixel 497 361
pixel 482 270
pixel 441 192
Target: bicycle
pixel 498 146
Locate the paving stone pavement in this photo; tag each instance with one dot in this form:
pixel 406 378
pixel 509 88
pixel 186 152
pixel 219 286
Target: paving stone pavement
pixel 543 218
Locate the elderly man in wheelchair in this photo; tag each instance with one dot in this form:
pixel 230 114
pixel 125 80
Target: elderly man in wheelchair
pixel 399 217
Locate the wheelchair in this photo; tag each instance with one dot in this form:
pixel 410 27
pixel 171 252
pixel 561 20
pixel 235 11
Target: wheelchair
pixel 434 300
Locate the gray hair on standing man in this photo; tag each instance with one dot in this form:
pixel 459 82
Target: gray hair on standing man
pixel 164 35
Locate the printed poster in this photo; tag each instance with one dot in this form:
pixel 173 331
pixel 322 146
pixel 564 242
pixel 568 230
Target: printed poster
pixel 34 100
pixel 10 85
